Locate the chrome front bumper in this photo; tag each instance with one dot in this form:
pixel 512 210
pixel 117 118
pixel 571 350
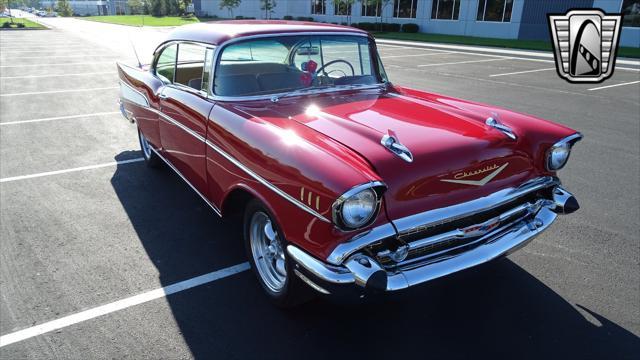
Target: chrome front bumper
pixel 367 272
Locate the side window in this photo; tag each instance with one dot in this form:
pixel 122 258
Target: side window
pixel 165 67
pixel 190 65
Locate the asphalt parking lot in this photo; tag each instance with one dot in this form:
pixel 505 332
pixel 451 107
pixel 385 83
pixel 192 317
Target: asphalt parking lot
pixel 86 227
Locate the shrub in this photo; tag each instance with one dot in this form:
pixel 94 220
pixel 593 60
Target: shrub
pixel 21 25
pixel 390 27
pixel 304 18
pixel 6 24
pixel 344 24
pixel 287 17
pixel 410 28
pixel 239 17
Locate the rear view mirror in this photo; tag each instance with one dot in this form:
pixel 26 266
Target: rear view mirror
pixel 308 50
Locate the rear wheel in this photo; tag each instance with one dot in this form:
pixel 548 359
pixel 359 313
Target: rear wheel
pixel 151 158
pixel 266 250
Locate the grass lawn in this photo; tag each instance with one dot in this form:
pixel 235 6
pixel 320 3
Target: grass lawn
pixel 468 40
pixel 27 23
pixel 139 20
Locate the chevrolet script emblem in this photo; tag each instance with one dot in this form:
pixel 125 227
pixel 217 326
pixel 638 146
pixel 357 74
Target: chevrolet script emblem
pixel 458 178
pixel 585 44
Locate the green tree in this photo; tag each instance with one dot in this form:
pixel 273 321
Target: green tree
pixel 382 3
pixel 229 5
pixel 346 6
pixel 269 7
pixel 158 7
pixel 64 8
pixel 136 7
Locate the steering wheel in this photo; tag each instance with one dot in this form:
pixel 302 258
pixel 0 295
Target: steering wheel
pixel 353 72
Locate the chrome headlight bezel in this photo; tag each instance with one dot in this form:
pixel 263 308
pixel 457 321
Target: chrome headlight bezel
pixel 376 187
pixel 565 144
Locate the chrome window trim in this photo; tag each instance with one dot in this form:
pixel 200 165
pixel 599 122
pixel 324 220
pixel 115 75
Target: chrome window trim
pixel 570 140
pixel 378 188
pixel 215 209
pixel 220 48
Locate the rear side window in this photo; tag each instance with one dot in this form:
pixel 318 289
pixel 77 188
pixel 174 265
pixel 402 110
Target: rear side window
pixel 165 67
pixel 190 65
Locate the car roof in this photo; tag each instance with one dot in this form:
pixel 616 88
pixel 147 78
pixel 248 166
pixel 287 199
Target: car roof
pixel 218 32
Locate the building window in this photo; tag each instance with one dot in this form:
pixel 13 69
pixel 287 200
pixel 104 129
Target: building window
pixel 371 9
pixel 445 9
pixel 495 10
pixel 318 7
pixel 631 13
pixel 342 8
pixel 405 8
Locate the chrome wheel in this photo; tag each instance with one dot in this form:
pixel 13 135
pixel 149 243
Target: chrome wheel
pixel 267 251
pixel 146 147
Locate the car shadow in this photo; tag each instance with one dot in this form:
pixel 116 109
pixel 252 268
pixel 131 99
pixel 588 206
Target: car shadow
pixel 496 310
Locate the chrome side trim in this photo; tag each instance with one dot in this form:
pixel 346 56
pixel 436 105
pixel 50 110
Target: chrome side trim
pixel 244 168
pixel 215 209
pixel 264 182
pixel 417 222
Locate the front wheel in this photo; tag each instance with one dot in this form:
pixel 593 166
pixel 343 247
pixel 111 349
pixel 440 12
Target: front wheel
pixel 266 250
pixel 151 158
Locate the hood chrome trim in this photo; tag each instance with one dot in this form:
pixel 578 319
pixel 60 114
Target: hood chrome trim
pixel 480 182
pixel 501 127
pixel 391 143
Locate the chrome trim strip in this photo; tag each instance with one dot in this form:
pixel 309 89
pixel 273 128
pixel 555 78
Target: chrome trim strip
pixel 313 285
pixel 215 209
pixel 358 242
pixel 318 268
pixel 264 182
pixel 434 217
pixel 439 216
pixel 496 244
pixel 180 125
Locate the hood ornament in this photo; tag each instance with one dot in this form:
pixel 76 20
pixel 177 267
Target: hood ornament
pixel 457 178
pixel 391 142
pixel 500 127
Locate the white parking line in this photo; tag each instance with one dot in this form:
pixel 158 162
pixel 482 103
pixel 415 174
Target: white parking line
pixel 614 85
pixel 59 91
pixel 59 118
pixel 65 56
pixel 121 304
pixel 58 172
pixel 465 62
pixel 413 55
pixel 521 72
pixel 60 64
pixel 58 75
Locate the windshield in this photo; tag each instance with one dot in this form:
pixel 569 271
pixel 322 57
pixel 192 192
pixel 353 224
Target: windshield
pixel 281 64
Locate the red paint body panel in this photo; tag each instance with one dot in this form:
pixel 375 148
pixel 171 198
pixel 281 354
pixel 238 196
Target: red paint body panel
pixel 313 148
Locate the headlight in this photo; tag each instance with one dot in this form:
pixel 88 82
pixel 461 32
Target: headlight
pixel 357 207
pixel 558 154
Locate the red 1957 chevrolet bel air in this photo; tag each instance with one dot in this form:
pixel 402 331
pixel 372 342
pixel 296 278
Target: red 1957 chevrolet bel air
pixel 344 182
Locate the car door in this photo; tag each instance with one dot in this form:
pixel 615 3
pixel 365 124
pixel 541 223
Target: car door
pixel 184 110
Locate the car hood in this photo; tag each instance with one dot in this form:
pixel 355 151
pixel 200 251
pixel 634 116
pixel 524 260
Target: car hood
pixel 456 156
